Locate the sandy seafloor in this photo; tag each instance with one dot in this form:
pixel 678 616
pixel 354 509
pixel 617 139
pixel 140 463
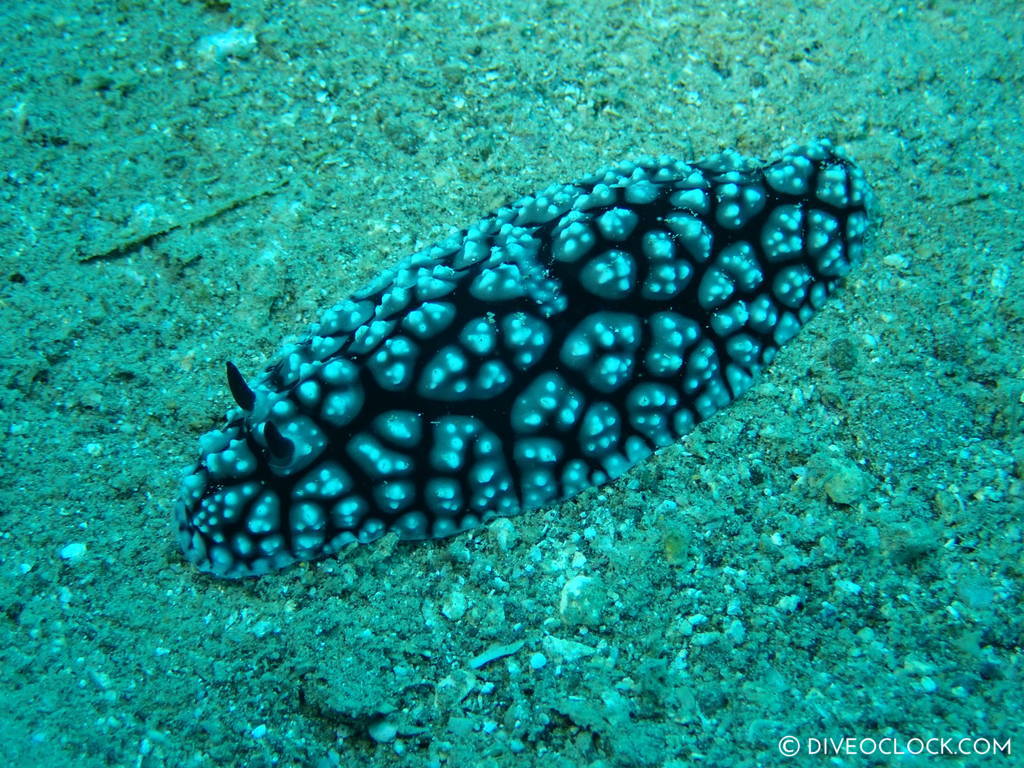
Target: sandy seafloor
pixel 838 554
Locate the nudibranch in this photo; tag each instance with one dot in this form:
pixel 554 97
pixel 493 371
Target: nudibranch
pixel 544 350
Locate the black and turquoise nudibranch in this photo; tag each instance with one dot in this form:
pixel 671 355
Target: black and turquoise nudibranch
pixel 544 350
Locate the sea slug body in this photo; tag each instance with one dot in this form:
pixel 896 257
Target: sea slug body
pixel 544 350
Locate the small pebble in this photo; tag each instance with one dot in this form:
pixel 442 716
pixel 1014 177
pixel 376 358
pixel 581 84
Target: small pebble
pixel 841 479
pixel 259 731
pixel 538 660
pixel 567 650
pixel 847 485
pixel 383 731
pixel 582 601
pixel 736 631
pixel 504 532
pixel 789 603
pixel 706 638
pixel 848 586
pixel 454 606
pixel 458 552
pixel 460 726
pixel 234 43
pixel 73 552
pixel 896 260
pixel 908 542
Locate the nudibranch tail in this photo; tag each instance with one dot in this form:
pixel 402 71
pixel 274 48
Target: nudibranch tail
pixel 545 349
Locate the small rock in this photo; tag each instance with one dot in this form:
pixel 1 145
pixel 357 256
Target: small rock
pixel 842 354
pixel 975 591
pixel 458 552
pixel 504 532
pixel 906 543
pixel 850 587
pixel 383 731
pixel 896 260
pixel 460 726
pixel 232 43
pixel 841 479
pixel 454 606
pixel 736 631
pixel 789 603
pixel 454 688
pixel 706 638
pixel 582 601
pixel 847 485
pixel 73 552
pixel 567 650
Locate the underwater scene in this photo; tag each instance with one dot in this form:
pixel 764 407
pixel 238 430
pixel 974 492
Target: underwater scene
pixel 557 384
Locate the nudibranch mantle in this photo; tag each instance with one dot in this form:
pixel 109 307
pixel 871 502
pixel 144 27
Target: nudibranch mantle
pixel 545 349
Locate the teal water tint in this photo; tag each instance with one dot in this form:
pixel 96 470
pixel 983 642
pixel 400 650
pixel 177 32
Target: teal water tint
pixel 837 554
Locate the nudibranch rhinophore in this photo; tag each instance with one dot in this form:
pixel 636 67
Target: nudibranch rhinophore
pixel 545 349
